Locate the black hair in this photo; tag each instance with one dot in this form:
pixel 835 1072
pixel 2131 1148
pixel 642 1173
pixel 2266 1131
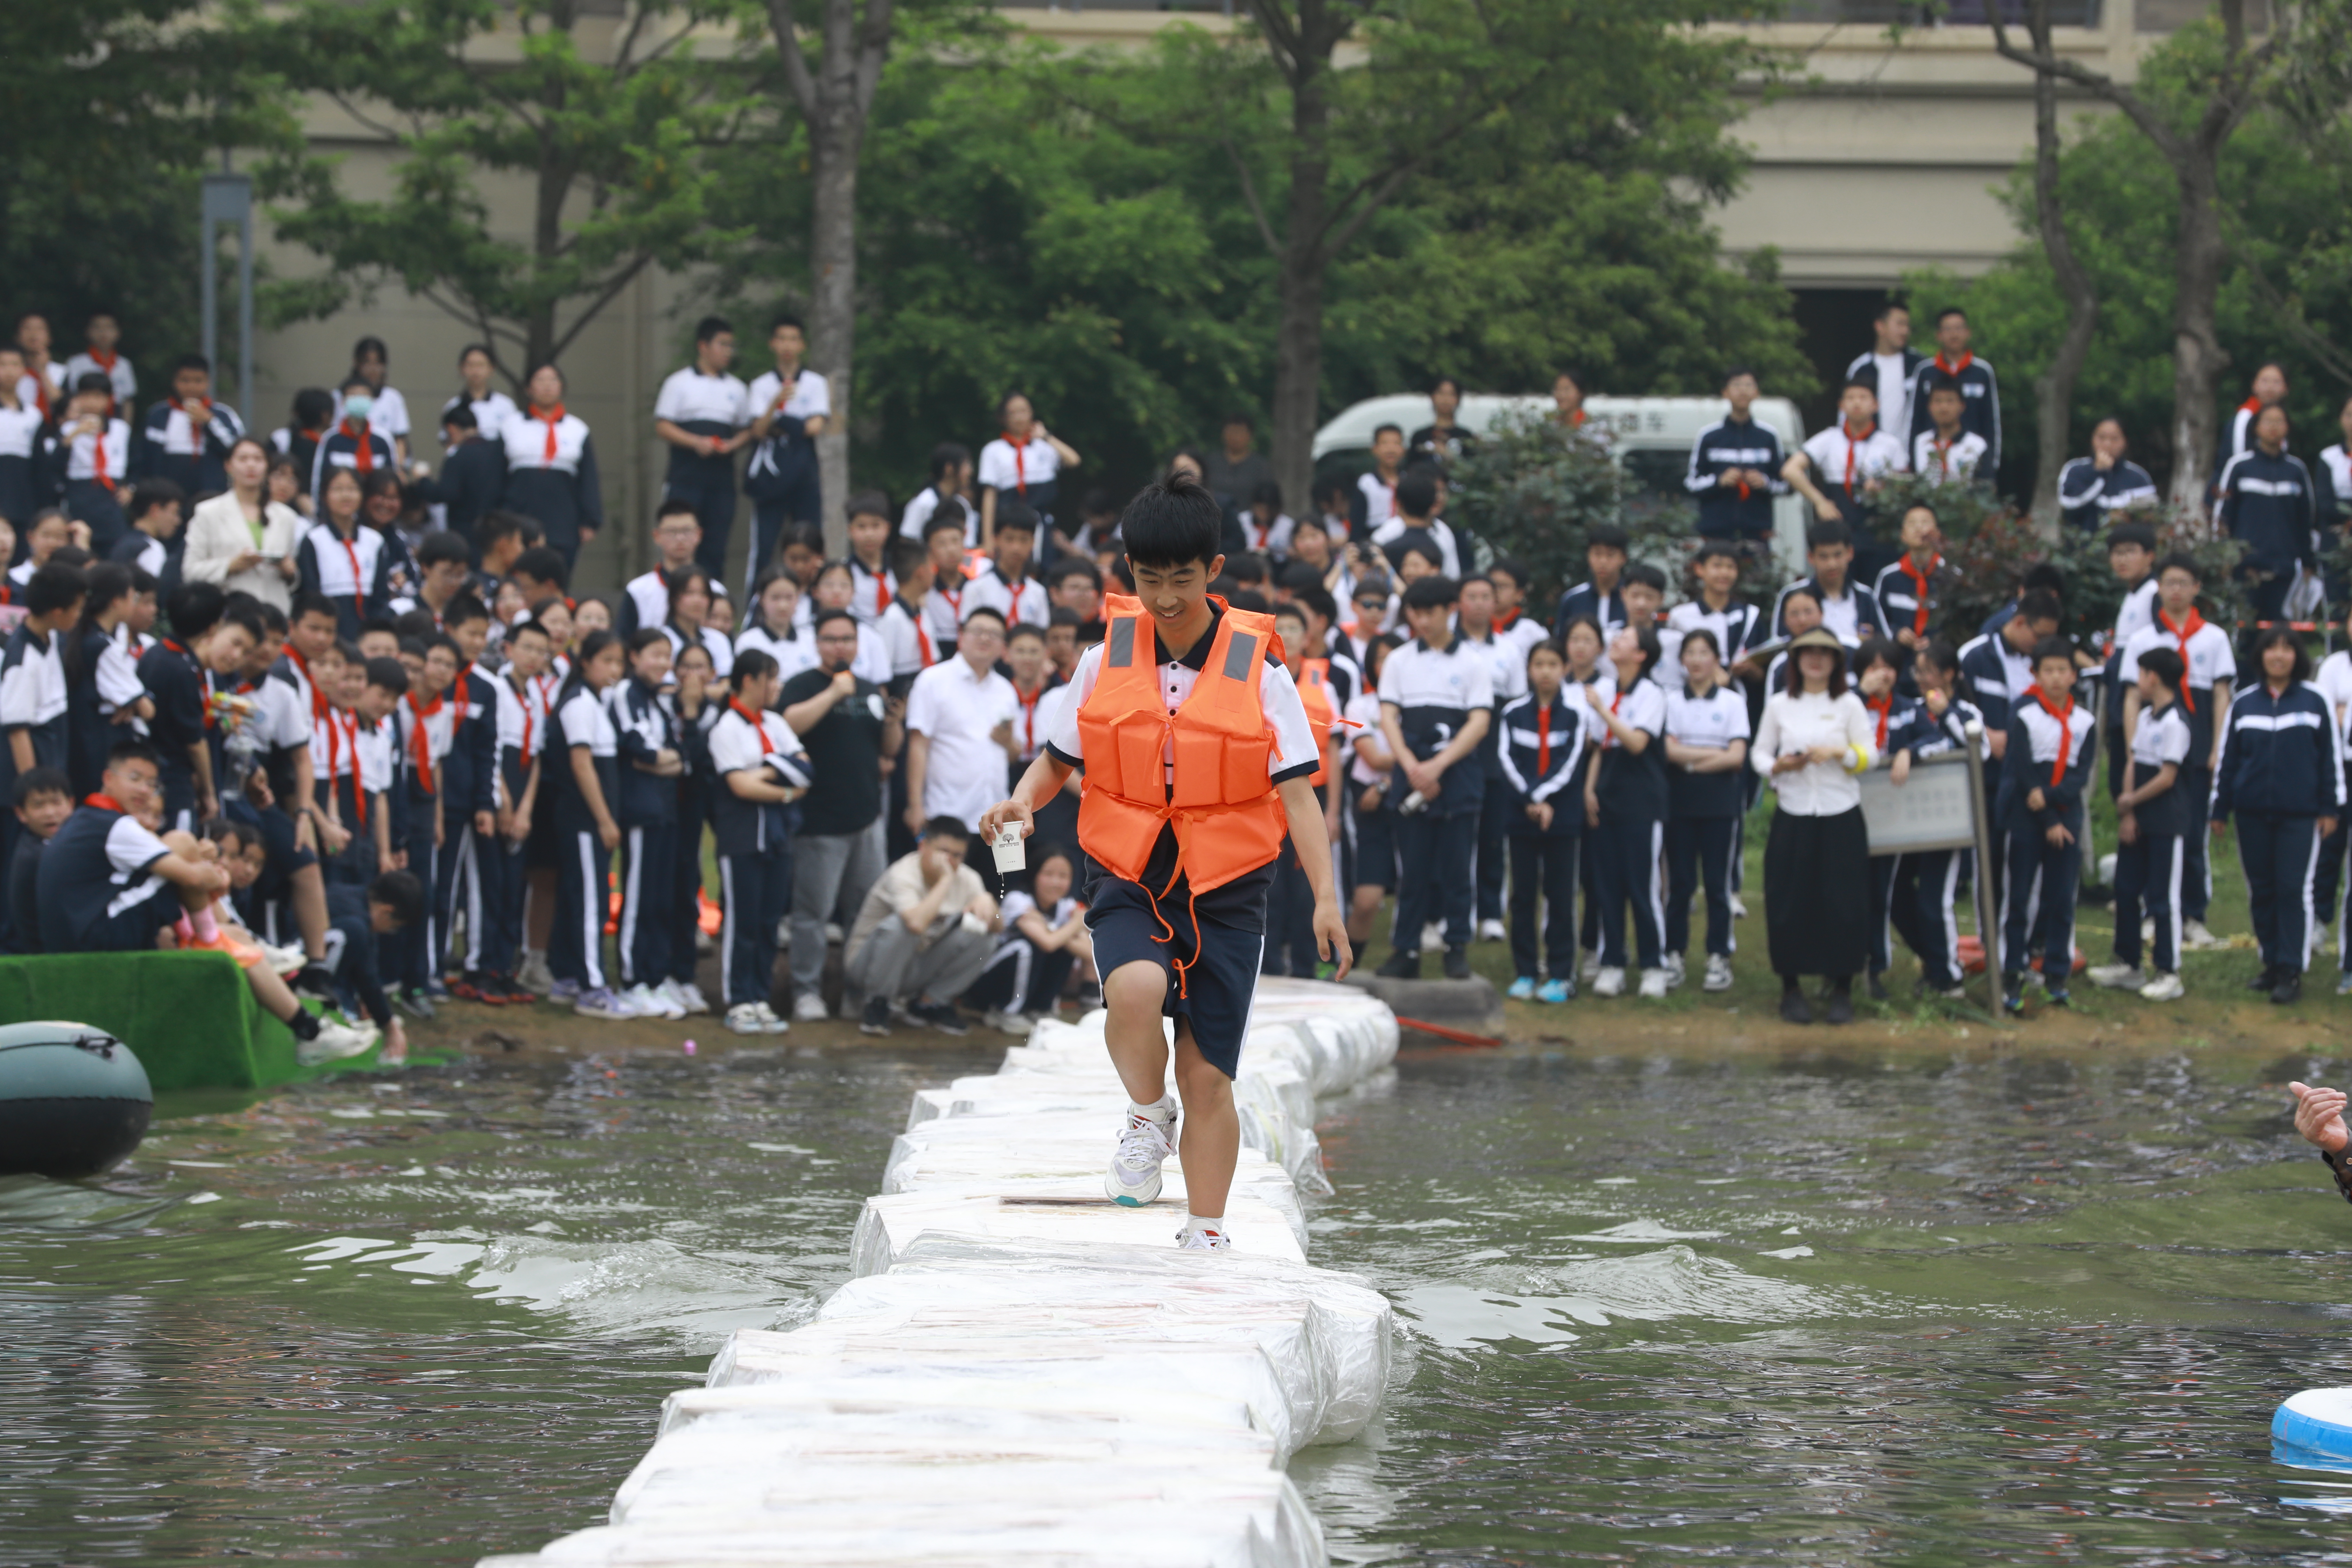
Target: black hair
pixel 130 749
pixel 1570 373
pixel 1646 639
pixel 152 493
pixel 1416 493
pixel 1699 635
pixel 1173 523
pixel 460 416
pixel 1947 312
pixel 1889 309
pixel 2045 575
pixel 464 607
pixel 2270 638
pixel 55 589
pixel 756 664
pixel 645 637
pixel 542 564
pixel 193 608
pixel 946 827
pixel 1070 567
pixel 1024 629
pixel 2181 561
pixel 314 605
pixel 1881 650
pixel 93 381
pixel 824 619
pixel 1268 491
pixel 2167 665
pixel 1381 431
pixel 783 319
pixel 41 781
pixel 495 525
pixel 1607 536
pixel 1511 566
pixel 400 892
pixel 1552 646
pixel 1735 373
pixel 2137 533
pixel 1246 567
pixel 110 580
pixel 2060 648
pixel 228 830
pixel 1017 516
pixel 874 503
pixel 905 559
pixel 1826 533
pixel 389 675
pixel 370 345
pixel 1863 381
pixel 940 522
pixel 992 612
pixel 711 327
pixel 1647 575
pixel 1943 656
pixel 2040 604
pixel 1248 599
pixel 1319 599
pixel 441 548
pixel 192 362
pixel 313 407
pixel 1942 381
pixel 1709 549
pixel 1061 616
pixel 1433 594
pixel 947 457
pixel 245 613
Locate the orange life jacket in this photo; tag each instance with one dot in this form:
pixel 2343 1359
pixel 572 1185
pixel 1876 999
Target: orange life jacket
pixel 1322 717
pixel 1226 811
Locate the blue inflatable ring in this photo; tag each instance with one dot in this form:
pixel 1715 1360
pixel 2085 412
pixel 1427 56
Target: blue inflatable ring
pixel 2313 1430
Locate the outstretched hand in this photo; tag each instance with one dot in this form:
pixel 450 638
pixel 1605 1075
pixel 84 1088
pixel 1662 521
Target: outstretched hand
pixel 2319 1116
pixel 1331 936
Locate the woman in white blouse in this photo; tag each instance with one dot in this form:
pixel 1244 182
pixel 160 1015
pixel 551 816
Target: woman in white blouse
pixel 1812 745
pixel 1023 464
pixel 241 540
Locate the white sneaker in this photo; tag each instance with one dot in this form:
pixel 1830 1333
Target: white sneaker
pixel 651 1003
pixel 744 1018
pixel 603 1003
pixel 1677 969
pixel 2163 988
pixel 1134 1177
pixel 2117 976
pixel 2194 934
pixel 690 997
pixel 1609 982
pixel 673 993
pixel 1655 984
pixel 1588 964
pixel 1718 973
pixel 1433 937
pixel 771 1021
pixel 1204 1240
pixel 284 961
pixel 1493 931
pixel 1005 1023
pixel 534 976
pixel 808 1007
pixel 1739 908
pixel 833 933
pixel 335 1042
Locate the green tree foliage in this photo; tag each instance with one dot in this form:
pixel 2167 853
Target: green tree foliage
pixel 615 126
pixel 114 108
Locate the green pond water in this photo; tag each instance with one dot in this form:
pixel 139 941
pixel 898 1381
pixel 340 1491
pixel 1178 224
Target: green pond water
pixel 1898 1307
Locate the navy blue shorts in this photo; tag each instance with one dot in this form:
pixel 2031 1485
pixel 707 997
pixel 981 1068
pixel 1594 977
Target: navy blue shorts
pixel 1222 963
pixel 1376 855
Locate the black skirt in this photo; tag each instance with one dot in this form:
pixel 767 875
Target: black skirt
pixel 1817 894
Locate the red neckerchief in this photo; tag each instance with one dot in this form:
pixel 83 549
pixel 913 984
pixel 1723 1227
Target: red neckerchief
pixel 955 600
pixel 97 453
pixel 1249 526
pixel 922 637
pixel 421 740
pixel 351 550
pixel 522 700
pixel 881 576
pixel 754 719
pixel 1608 736
pixel 351 730
pixel 2250 405
pixel 1942 449
pixel 201 675
pixel 1029 718
pixel 553 416
pixel 1967 358
pixel 2065 734
pixel 1919 582
pixel 1543 743
pixel 1882 706
pixel 2196 624
pixel 1020 461
pixel 318 703
pixel 1853 440
pixel 1504 619
pixel 196 425
pixel 106 802
pixel 104 361
pixel 363 449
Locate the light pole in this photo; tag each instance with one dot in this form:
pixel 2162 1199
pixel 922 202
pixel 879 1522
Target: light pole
pixel 228 199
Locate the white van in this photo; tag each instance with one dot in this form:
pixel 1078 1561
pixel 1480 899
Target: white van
pixel 1651 436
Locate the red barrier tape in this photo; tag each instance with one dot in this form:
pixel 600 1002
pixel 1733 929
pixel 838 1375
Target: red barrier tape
pixel 1458 1037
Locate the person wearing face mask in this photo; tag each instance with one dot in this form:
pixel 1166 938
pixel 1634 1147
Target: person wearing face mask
pixel 353 444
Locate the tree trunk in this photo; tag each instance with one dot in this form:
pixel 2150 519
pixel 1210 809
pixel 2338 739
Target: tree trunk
pixel 1299 340
pixel 2055 391
pixel 2198 359
pixel 834 140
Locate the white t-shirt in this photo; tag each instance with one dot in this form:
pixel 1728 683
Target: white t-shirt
pixel 1954 465
pixel 688 397
pixel 1894 391
pixel 1878 453
pixel 810 395
pixel 1037 464
pixel 956 708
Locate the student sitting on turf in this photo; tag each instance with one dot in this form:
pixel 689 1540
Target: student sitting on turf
pixel 2151 811
pixel 107 883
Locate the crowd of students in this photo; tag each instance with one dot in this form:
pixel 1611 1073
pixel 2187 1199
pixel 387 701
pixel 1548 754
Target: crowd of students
pixel 385 751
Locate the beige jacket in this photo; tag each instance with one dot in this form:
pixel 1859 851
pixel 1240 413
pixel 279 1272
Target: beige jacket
pixel 219 535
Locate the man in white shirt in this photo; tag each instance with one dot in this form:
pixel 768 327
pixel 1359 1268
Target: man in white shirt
pixel 1890 366
pixel 789 408
pixel 1415 519
pixel 705 415
pixel 960 728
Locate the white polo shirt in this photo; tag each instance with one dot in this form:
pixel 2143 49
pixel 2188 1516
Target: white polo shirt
pixel 688 397
pixel 955 709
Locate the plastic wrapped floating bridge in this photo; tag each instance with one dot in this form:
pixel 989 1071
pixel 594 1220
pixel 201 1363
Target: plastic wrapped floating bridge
pixel 1022 1371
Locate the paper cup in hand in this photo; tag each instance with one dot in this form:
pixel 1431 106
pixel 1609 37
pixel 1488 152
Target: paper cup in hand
pixel 1009 855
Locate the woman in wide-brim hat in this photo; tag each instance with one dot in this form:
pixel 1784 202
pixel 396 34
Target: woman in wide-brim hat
pixel 1812 745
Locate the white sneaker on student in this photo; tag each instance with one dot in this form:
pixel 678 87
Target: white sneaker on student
pixel 284 961
pixel 335 1042
pixel 808 1007
pixel 1718 973
pixel 1738 907
pixel 771 1021
pixel 2117 976
pixel 690 997
pixel 1433 937
pixel 1677 969
pixel 1588 964
pixel 744 1018
pixel 1133 1180
pixel 2163 988
pixel 1005 1023
pixel 603 1003
pixel 2194 934
pixel 1493 931
pixel 651 1003
pixel 1655 982
pixel 1203 1238
pixel 534 975
pixel 1609 982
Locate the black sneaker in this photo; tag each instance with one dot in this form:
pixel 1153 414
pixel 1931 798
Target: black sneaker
pixel 2289 987
pixel 876 1019
pixel 939 1016
pixel 1877 989
pixel 2012 992
pixel 2267 979
pixel 1401 966
pixel 1841 1008
pixel 313 980
pixel 1794 1008
pixel 415 1003
pixel 1457 964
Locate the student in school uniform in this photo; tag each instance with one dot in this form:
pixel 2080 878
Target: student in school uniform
pixel 1436 704
pixel 945 603
pixel 2098 490
pixel 1706 741
pixel 650 762
pixel 2131 556
pixel 1507 675
pixel 2206 693
pixel 869 556
pixel 1374 504
pixel 95 449
pixel 950 470
pixel 760 768
pixel 1979 390
pixel 387 413
pixel 1598 597
pixel 1416 522
pixel 1839 470
pixel 2267 390
pixel 905 628
pixel 551 461
pixel 473 476
pixel 1290 946
pixel 28 447
pixel 186 438
pixel 34 690
pixel 341 559
pixel 1734 469
pixel 424 733
pixel 468 781
pixel 583 746
pixel 1004 584
pixel 1998 669
pixel 2150 811
pixel 2280 768
pixel 152 543
pixel 1044 937
pixel 698 701
pixel 1542 759
pixel 2053 744
pixel 1926 882
pixel 521 729
pixel 1814 742
pixel 102 336
pixel 790 406
pixel 491 407
pixel 773 625
pixel 1911 588
pixel 353 444
pixel 705 415
pixel 1878 668
pixel 1625 808
pixel 1947 452
pixel 1717 607
pixel 2266 505
pixel 644 598
pixel 688 625
pixel 1367 851
pixel 1849 611
pixel 104 699
pixel 1024 463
